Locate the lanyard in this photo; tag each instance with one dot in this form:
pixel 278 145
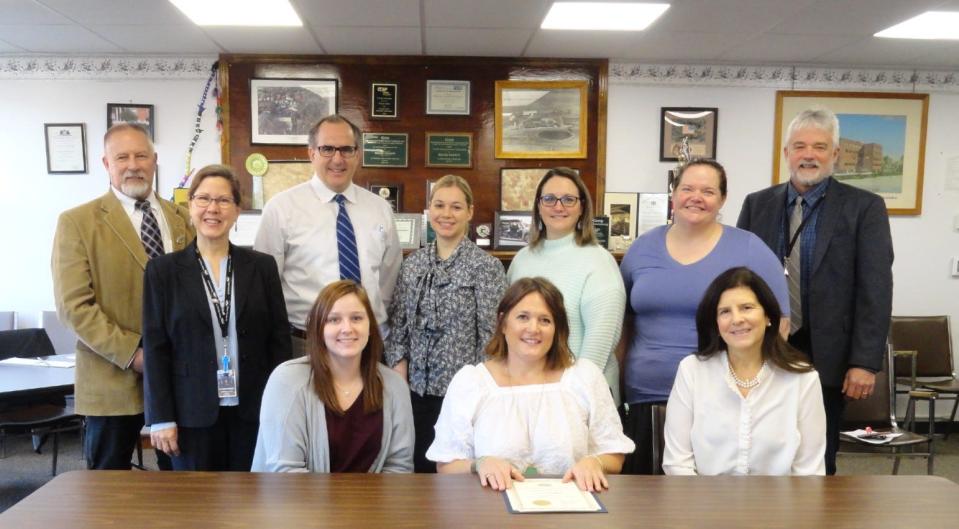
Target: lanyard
pixel 795 237
pixel 222 310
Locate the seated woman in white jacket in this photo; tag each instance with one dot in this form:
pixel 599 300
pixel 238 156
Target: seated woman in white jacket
pixel 337 409
pixel 747 402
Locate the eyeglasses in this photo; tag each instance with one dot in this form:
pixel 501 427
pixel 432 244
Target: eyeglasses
pixel 204 201
pixel 567 201
pixel 328 151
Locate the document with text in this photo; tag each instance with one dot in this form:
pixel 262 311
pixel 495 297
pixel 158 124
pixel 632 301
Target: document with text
pixel 550 495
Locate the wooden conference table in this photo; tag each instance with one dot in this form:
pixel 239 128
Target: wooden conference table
pixel 85 499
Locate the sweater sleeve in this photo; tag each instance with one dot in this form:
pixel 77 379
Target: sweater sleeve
pixel 602 306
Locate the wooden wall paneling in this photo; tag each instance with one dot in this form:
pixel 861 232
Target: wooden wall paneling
pixel 355 73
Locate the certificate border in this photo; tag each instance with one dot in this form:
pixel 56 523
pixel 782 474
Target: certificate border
pixel 430 83
pixel 83 139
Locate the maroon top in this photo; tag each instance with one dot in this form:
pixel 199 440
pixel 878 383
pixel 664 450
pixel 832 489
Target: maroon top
pixel 355 438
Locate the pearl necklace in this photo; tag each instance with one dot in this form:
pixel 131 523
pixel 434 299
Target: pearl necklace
pixel 752 382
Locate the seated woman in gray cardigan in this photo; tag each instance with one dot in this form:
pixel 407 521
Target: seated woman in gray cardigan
pixel 337 409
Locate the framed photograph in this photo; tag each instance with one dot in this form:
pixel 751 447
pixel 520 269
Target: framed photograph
pixel 384 100
pixel 622 210
pixel 654 209
pixel 386 149
pixel 66 148
pixel 518 187
pixel 882 141
pixel 142 115
pixel 282 111
pixel 392 193
pixel 511 229
pixel 449 149
pixel 450 98
pixel 409 229
pixel 540 119
pixel 696 125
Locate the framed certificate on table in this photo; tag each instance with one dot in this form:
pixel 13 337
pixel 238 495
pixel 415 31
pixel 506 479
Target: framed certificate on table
pixel 408 229
pixel 448 97
pixel 66 148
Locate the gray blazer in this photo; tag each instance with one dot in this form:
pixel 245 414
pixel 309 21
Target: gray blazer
pixel 850 291
pixel 293 436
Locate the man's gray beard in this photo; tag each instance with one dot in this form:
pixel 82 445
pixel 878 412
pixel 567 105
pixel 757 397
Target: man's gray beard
pixel 810 182
pixel 136 190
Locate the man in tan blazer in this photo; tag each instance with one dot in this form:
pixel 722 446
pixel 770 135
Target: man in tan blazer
pixel 99 254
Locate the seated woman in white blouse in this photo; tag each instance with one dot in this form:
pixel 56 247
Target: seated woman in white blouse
pixel 747 402
pixel 529 409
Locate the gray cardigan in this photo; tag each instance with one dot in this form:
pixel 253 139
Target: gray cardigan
pixel 293 435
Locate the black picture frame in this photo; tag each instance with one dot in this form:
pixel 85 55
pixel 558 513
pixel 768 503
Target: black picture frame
pixel 511 229
pixel 384 100
pixel 60 140
pixel 700 124
pixel 143 115
pixel 390 192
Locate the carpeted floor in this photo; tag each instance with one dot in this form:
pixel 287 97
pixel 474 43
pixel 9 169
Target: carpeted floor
pixel 22 471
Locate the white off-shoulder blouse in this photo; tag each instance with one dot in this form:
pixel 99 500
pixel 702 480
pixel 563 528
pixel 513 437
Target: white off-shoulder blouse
pixel 547 426
pixel 779 428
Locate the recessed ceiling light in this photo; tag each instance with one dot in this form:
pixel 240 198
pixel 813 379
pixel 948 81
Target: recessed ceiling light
pixel 929 25
pixel 239 12
pixel 609 16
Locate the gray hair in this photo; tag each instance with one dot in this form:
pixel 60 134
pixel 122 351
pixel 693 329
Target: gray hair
pixel 816 117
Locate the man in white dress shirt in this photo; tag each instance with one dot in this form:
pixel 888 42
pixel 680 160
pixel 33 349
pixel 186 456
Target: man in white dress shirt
pixel 299 229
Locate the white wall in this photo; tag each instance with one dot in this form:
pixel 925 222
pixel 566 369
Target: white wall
pixel 31 199
pixel 924 244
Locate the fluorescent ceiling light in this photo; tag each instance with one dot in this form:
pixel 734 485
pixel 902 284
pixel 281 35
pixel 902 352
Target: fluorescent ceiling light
pixel 609 16
pixel 929 25
pixel 239 12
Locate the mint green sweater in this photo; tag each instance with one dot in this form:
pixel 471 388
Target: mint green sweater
pixel 593 292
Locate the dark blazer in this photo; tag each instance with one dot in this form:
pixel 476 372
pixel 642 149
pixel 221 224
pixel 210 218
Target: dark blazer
pixel 850 290
pixel 180 355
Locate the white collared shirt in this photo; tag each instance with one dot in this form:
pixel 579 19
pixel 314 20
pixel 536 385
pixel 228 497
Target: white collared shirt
pixel 136 216
pixel 298 229
pixel 778 429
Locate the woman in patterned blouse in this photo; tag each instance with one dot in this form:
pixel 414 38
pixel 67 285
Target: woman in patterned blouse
pixel 443 310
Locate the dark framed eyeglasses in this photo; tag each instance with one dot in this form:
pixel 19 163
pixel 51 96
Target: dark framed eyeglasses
pixel 204 201
pixel 567 201
pixel 328 151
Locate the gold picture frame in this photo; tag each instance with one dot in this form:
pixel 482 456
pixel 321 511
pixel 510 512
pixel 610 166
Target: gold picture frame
pixel 541 119
pixel 882 141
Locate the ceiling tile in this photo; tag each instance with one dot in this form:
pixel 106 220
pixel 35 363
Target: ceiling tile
pixel 945 57
pixel 88 12
pixel 9 48
pixel 158 39
pixel 877 51
pixel 851 17
pixel 785 48
pixel 362 13
pixel 578 44
pixel 14 12
pixel 747 17
pixel 56 39
pixel 476 42
pixel 374 41
pixel 263 40
pixel 663 46
pixel 489 14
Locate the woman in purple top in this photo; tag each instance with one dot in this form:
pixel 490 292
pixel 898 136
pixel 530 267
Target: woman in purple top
pixel 666 272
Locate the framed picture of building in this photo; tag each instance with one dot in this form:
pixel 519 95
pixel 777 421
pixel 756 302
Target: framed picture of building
pixel 882 141
pixel 540 119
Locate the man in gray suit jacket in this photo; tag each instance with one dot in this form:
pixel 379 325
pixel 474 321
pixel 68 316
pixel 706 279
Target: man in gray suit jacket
pixel 837 253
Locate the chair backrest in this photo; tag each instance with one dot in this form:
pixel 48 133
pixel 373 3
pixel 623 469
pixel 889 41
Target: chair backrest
pixel 930 336
pixel 8 320
pixel 64 340
pixel 659 437
pixel 25 343
pixel 878 410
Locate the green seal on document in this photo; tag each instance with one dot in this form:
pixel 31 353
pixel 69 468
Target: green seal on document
pixel 256 164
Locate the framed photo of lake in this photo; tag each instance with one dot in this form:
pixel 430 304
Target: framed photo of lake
pixel 882 141
pixel 540 119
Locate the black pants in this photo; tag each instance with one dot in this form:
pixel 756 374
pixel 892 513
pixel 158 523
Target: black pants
pixel 227 445
pixel 835 403
pixel 110 440
pixel 426 410
pixel 638 426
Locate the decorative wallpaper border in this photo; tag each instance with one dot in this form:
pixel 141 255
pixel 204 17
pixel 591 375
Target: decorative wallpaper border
pixel 785 77
pixel 105 67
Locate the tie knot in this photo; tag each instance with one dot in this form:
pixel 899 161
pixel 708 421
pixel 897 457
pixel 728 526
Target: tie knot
pixel 143 205
pixel 339 199
pixel 799 200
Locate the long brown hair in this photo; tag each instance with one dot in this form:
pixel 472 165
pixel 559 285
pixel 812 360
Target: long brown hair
pixel 559 355
pixel 774 348
pixel 320 355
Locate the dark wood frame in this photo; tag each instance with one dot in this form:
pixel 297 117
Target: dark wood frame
pixel 151 127
pixel 665 128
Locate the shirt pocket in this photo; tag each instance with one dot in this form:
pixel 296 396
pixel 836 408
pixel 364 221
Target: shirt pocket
pixel 371 245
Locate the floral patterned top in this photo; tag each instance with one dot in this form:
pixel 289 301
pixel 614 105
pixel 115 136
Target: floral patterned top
pixel 443 313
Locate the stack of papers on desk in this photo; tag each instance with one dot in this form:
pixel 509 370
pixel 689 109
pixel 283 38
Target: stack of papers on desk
pixel 67 361
pixel 550 495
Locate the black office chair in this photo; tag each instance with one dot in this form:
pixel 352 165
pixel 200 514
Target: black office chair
pixel 41 417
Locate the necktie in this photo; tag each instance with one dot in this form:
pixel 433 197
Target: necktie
pixel 346 242
pixel 794 269
pixel 150 231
